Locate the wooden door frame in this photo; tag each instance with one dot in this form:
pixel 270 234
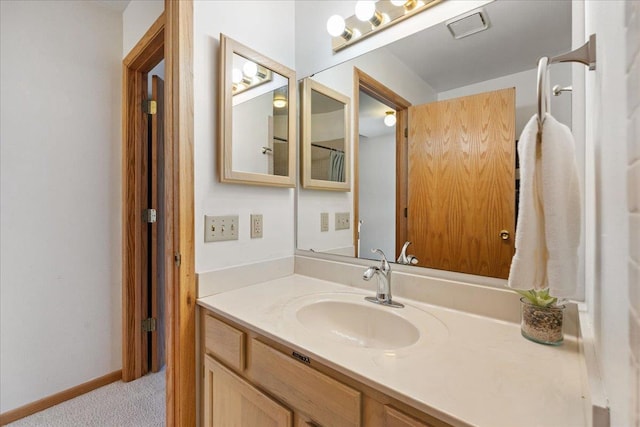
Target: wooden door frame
pixel 170 36
pixel 372 87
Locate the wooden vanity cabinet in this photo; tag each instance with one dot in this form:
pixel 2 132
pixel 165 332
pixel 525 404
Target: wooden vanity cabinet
pixel 232 401
pixel 251 381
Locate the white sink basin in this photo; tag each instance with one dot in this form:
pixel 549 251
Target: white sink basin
pixel 357 324
pixel 348 319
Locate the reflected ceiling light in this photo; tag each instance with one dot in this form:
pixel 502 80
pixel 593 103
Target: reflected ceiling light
pixel 279 101
pixel 371 16
pixel 390 118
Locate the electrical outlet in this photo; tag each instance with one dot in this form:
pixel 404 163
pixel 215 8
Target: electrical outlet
pixel 342 221
pixel 324 221
pixel 218 228
pixel 256 226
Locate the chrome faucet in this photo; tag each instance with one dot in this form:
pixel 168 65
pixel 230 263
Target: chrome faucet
pixel 406 259
pixel 383 274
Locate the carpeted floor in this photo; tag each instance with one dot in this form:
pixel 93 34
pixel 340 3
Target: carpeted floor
pixel 139 403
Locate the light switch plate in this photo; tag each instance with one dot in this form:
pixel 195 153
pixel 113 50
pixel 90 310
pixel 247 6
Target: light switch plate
pixel 219 228
pixel 342 221
pixel 256 226
pixel 324 221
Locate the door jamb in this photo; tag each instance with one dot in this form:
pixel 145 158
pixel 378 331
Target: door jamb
pixel 369 85
pixel 170 35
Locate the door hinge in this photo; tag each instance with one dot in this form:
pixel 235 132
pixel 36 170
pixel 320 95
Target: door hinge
pixel 150 215
pixel 406 132
pixel 149 325
pixel 405 213
pixel 149 106
pixel 178 259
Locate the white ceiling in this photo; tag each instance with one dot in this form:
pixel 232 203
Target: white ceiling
pixel 117 5
pixel 521 31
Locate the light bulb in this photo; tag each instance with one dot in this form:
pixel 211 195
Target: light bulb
pixel 365 9
pixel 335 25
pixel 279 102
pixel 390 119
pixel 236 75
pixel 250 69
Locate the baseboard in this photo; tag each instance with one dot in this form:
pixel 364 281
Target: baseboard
pixel 54 399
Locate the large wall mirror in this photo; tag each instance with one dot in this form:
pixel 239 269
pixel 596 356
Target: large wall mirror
pixel 326 134
pixel 257 143
pixel 439 168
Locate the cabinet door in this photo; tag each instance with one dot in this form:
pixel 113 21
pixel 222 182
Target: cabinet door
pixel 230 401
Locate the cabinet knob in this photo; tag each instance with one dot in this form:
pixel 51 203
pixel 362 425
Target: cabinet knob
pixel 504 235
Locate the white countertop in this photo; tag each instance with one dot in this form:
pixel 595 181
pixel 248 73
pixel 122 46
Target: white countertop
pixel 471 370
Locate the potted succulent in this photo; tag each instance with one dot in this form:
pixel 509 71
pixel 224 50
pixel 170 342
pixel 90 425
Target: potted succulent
pixel 542 317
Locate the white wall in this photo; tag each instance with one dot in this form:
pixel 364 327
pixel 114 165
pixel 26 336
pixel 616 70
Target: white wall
pixel 60 209
pixel 383 66
pixel 378 183
pixel 267 27
pixel 313 43
pixel 526 98
pixel 136 20
pixel 632 20
pixel 606 95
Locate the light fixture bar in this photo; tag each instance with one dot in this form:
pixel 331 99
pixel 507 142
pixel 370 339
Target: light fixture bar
pixel 262 75
pixel 384 8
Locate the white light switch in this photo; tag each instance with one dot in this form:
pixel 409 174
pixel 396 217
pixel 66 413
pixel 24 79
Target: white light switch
pixel 219 228
pixel 342 221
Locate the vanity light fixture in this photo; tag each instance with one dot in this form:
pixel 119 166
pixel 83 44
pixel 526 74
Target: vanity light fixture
pixel 407 4
pixel 336 27
pixel 251 75
pixel 390 118
pixel 371 16
pixel 366 11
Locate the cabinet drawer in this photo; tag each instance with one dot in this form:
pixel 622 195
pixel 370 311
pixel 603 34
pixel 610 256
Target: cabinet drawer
pixel 326 401
pixel 224 342
pixel 395 418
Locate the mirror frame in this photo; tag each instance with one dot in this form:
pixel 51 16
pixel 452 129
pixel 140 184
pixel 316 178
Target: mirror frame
pixel 305 122
pixel 228 47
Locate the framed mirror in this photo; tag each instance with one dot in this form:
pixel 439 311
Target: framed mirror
pixel 409 174
pixel 257 107
pixel 326 145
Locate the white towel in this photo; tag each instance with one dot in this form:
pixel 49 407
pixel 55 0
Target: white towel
pixel 548 231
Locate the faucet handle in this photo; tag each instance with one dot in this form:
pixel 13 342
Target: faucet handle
pixel 403 258
pixel 385 263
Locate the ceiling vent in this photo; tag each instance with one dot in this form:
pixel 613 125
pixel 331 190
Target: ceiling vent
pixel 468 24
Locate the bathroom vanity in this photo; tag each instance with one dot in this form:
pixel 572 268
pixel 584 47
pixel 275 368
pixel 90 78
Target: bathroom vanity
pixel 297 351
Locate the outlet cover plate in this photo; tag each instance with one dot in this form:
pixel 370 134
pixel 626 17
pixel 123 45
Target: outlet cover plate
pixel 342 221
pixel 324 221
pixel 256 226
pixel 220 228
